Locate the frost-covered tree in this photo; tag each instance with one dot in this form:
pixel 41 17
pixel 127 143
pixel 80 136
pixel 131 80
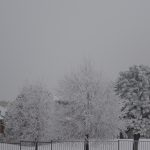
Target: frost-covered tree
pixel 133 86
pixel 87 106
pixel 29 117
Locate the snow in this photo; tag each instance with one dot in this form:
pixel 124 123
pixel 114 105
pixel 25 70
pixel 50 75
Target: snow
pixel 2 112
pixel 103 145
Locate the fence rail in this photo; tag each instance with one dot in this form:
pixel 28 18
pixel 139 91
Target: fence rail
pixel 76 145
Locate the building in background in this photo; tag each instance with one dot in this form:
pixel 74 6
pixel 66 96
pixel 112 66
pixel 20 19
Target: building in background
pixel 2 116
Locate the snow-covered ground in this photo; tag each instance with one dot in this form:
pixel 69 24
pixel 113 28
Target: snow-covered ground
pixel 111 145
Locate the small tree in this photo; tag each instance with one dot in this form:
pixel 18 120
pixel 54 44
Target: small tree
pixel 90 106
pixel 29 116
pixel 133 86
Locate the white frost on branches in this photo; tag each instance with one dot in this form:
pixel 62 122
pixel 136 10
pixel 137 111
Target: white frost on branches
pixel 90 106
pixel 29 117
pixel 134 87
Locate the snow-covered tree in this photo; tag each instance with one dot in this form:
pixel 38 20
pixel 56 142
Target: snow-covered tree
pixel 29 117
pixel 133 86
pixel 87 106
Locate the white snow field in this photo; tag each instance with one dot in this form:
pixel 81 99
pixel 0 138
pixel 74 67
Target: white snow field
pixel 99 145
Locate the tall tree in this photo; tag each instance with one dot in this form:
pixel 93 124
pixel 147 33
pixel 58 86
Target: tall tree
pixel 90 106
pixel 29 116
pixel 133 86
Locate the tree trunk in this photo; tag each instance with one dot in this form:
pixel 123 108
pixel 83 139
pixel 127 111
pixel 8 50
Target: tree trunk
pixel 121 135
pixel 86 142
pixel 36 144
pixel 136 141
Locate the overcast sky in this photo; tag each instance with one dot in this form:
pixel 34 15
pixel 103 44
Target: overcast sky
pixel 41 40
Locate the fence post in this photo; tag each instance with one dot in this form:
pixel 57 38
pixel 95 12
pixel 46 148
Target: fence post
pixel 118 145
pixel 86 142
pixel 51 144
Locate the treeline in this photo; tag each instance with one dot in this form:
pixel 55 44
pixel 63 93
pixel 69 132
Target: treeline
pixel 84 103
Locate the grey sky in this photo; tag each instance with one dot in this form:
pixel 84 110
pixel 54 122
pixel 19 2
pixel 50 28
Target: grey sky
pixel 43 39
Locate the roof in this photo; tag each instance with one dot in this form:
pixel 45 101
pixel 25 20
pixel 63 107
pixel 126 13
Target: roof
pixel 2 112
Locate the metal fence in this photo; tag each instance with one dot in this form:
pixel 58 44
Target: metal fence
pixel 76 145
pixel 9 146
